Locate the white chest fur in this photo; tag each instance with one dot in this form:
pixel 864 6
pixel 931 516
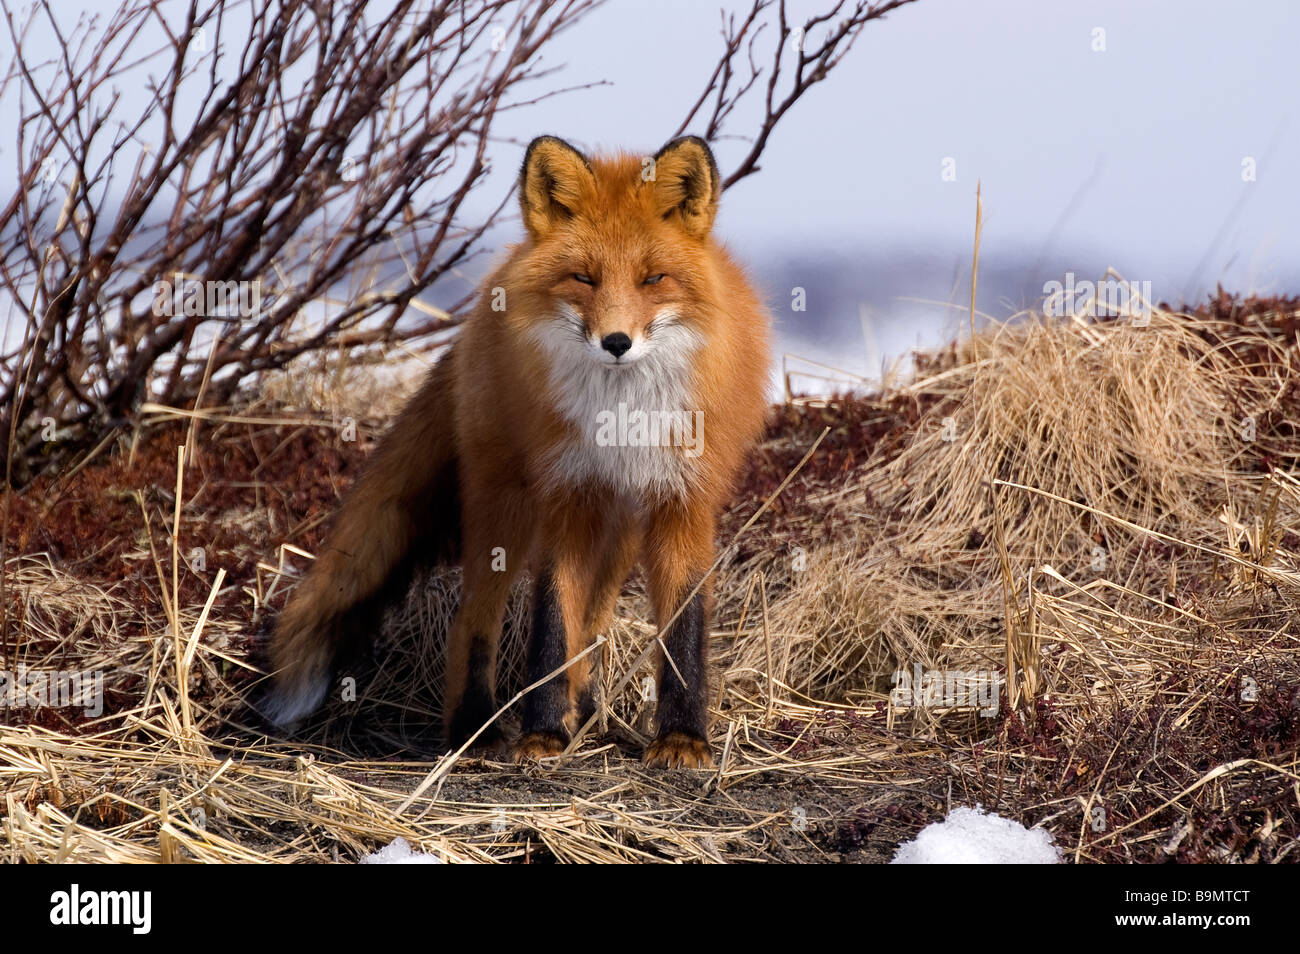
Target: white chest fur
pixel 635 430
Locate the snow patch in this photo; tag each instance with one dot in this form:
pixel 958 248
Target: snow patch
pixel 400 853
pixel 970 836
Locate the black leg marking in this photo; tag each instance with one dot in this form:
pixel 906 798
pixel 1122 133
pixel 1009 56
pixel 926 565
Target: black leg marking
pixel 546 706
pixel 588 697
pixel 683 705
pixel 478 704
pixel 586 705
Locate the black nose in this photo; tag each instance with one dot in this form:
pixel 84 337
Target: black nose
pixel 616 344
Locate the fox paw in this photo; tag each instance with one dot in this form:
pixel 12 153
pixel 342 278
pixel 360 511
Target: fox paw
pixel 679 750
pixel 532 746
pixel 465 723
pixel 492 744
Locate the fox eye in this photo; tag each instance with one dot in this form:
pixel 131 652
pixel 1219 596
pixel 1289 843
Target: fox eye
pixel 653 280
pixel 585 279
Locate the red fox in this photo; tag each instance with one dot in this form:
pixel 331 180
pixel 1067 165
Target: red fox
pixel 595 409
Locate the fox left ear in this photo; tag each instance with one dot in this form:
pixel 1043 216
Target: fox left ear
pixel 554 179
pixel 687 183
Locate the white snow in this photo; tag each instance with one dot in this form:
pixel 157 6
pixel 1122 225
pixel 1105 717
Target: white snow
pixel 400 853
pixel 971 836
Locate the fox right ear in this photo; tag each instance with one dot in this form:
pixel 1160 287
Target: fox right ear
pixel 551 187
pixel 687 183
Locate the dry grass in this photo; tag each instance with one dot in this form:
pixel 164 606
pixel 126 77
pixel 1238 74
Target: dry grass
pixel 1074 509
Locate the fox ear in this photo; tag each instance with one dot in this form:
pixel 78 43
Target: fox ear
pixel 687 183
pixel 552 183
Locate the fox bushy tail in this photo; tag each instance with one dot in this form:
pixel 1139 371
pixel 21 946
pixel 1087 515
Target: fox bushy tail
pixel 404 510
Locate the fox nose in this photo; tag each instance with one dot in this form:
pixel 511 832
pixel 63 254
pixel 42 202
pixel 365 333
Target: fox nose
pixel 616 344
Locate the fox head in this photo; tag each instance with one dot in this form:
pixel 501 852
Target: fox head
pixel 617 247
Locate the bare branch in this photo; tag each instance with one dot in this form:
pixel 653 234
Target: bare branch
pixel 276 149
pixel 818 46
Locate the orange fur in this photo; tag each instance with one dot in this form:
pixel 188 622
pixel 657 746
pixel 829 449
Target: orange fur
pixel 497 450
